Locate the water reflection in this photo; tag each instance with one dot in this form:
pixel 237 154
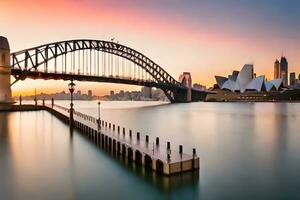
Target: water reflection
pixel 247 151
pixel 6 163
pixel 281 124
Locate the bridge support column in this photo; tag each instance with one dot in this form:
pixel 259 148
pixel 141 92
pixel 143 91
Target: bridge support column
pixel 186 80
pixel 5 72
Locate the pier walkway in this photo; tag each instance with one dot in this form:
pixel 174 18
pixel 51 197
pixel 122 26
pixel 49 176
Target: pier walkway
pixel 134 146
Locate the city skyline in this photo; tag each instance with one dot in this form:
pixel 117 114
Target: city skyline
pixel 210 43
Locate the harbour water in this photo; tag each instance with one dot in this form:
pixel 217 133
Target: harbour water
pixel 247 151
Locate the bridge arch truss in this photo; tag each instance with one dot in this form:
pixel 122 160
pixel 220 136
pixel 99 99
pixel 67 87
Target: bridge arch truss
pixel 94 60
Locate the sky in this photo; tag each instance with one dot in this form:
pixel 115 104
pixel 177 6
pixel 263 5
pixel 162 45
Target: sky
pixel 204 37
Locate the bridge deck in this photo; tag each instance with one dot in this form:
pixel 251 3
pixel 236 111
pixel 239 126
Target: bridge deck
pixel 176 163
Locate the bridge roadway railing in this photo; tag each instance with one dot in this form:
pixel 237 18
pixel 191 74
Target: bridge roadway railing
pixel 37 71
pixel 173 161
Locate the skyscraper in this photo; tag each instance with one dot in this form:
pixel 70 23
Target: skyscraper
pixel 284 70
pixel 292 78
pixel 276 69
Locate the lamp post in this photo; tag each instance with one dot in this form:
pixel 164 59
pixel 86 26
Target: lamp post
pixel 99 119
pixel 71 89
pixel 35 98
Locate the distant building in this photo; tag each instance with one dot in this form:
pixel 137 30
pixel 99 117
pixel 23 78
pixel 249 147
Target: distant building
pixel 276 69
pixel 146 92
pixel 198 86
pixel 90 93
pixel 292 78
pixel 112 93
pixel 284 70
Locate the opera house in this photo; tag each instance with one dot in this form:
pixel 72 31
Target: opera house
pixel 245 80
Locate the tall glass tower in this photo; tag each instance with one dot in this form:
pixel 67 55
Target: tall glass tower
pixel 284 70
pixel 276 69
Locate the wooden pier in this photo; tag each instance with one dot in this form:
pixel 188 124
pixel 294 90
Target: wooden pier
pixel 134 146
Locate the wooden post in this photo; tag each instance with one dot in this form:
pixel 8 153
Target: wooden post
pixel 180 149
pixel 194 155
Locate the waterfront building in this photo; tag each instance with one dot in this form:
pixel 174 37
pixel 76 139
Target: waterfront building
pixel 292 78
pixel 276 69
pixel 284 70
pixel 247 82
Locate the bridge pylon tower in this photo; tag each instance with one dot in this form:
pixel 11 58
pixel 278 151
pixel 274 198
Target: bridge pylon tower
pixel 5 72
pixel 186 80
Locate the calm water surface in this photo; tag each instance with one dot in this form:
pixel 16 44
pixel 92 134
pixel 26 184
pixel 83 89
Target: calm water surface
pixel 247 151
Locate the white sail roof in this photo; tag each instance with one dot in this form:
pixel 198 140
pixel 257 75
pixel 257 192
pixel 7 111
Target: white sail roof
pixel 256 84
pixel 276 82
pixel 229 85
pixel 245 76
pixel 220 80
pixel 269 86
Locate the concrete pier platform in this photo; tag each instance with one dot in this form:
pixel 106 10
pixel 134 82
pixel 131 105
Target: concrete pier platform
pixel 134 146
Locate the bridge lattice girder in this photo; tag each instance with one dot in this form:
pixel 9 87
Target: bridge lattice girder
pixel 31 59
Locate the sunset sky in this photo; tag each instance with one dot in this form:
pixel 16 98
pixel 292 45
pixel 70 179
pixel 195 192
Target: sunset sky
pixel 204 37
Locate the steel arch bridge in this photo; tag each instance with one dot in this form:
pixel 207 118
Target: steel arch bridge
pixel 97 61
